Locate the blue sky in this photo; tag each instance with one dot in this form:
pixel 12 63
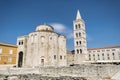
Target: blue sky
pixel 102 19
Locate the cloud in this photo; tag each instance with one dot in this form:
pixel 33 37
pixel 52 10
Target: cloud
pixel 70 36
pixel 61 28
pixel 89 38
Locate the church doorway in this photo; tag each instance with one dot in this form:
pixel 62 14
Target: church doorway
pixel 20 59
pixel 42 62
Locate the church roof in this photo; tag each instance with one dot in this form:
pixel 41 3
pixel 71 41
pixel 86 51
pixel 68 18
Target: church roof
pixel 108 47
pixel 44 27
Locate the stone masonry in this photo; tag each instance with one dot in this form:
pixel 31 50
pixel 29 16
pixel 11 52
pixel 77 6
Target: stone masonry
pixel 80 72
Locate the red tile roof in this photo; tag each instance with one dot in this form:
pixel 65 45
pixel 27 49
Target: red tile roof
pixel 103 47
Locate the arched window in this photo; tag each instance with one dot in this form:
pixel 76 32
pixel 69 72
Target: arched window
pixel 79 26
pixel 42 62
pixel 89 57
pixel 60 56
pixel 42 38
pixel 54 56
pixel 75 26
pixel 22 42
pixel 113 56
pixel 77 51
pixel 103 55
pixel 19 42
pixel 98 57
pixel 108 56
pixel 79 34
pixel 20 59
pixel 77 43
pixel 76 34
pixel 81 51
pixel 80 42
pixel 94 56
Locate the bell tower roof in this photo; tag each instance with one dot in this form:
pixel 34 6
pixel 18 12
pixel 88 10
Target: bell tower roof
pixel 78 15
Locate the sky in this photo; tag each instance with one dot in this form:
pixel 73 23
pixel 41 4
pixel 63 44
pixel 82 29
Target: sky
pixel 102 19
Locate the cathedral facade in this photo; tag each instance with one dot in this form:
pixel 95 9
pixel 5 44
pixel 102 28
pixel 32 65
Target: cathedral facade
pixel 44 47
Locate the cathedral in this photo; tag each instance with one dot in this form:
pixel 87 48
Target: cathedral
pixel 43 48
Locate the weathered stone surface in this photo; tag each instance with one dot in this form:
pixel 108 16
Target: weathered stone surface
pixel 82 72
pixel 39 77
pixel 44 46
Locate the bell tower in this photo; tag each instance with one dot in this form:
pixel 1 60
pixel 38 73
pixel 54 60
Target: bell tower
pixel 80 44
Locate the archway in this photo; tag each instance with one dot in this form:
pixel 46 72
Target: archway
pixel 42 62
pixel 20 59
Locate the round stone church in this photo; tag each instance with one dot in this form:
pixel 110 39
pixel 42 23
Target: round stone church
pixel 44 47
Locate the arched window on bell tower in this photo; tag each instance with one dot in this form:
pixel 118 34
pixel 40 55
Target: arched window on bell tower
pixel 80 42
pixel 76 35
pixel 79 26
pixel 77 43
pixel 81 51
pixel 76 26
pixel 79 34
pixel 77 51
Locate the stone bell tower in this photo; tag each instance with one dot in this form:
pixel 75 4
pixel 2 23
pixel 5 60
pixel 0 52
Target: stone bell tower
pixel 80 44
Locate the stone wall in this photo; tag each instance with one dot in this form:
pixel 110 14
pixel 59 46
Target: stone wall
pixel 88 72
pixel 39 77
